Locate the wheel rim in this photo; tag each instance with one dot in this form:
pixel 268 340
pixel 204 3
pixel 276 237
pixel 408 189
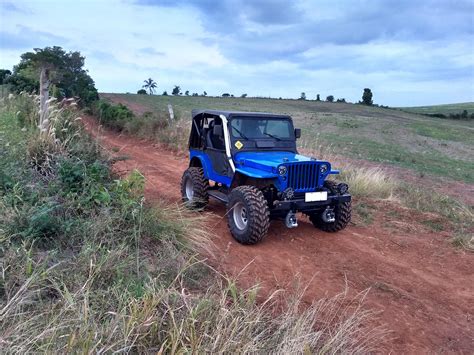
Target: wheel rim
pixel 240 216
pixel 189 189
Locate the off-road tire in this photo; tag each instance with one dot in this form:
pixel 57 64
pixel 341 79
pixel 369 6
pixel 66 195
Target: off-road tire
pixel 342 211
pixel 258 214
pixel 200 185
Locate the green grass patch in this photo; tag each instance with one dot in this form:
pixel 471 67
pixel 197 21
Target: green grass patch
pixel 365 211
pixel 443 132
pixel 443 109
pixel 435 226
pixel 426 163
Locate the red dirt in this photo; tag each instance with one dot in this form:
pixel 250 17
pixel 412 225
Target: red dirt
pixel 422 287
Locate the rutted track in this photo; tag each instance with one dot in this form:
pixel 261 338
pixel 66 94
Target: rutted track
pixel 422 287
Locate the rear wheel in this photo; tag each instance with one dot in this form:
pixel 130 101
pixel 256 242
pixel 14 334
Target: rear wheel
pixel 248 215
pixel 194 188
pixel 342 213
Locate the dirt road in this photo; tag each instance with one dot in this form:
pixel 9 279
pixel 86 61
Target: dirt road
pixel 421 286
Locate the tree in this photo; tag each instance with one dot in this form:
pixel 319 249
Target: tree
pixel 343 100
pixel 318 98
pixel 225 94
pixel 330 98
pixel 302 96
pixel 150 84
pixel 68 78
pixel 367 97
pixel 204 93
pixel 176 90
pixel 4 74
pixel 141 92
pixel 165 93
pixel 52 68
pixel 186 93
pixel 243 95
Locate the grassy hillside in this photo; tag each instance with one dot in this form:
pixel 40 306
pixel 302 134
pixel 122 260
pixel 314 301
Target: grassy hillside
pixel 424 144
pixel 443 109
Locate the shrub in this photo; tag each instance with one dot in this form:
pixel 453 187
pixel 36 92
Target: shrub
pixel 113 116
pixel 330 98
pixel 141 92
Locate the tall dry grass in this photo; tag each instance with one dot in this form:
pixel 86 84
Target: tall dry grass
pixel 171 318
pixel 363 181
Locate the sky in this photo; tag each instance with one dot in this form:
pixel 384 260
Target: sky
pixel 408 53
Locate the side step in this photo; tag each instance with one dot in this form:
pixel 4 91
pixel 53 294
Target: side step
pixel 220 196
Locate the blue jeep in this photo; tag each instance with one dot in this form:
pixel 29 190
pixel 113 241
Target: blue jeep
pixel 249 162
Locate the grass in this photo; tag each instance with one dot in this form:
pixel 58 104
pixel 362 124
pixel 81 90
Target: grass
pixel 427 145
pixel 443 109
pixel 88 266
pixel 443 133
pixel 457 215
pixel 368 182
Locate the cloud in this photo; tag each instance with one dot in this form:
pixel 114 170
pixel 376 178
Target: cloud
pixel 8 6
pixel 151 51
pixel 26 38
pixel 262 30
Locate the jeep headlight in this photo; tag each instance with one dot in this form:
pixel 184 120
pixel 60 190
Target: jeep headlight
pixel 282 170
pixel 323 168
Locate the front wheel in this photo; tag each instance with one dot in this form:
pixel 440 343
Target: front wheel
pixel 194 188
pixel 248 215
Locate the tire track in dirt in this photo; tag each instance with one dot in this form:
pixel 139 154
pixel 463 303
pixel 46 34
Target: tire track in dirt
pixel 421 286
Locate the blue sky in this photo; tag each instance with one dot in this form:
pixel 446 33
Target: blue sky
pixel 408 52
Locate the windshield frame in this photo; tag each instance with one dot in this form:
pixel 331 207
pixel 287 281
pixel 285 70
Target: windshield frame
pixel 262 117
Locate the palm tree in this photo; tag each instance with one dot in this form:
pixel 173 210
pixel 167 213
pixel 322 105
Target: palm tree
pixel 150 84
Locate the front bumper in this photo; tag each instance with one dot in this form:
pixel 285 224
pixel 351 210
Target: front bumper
pixel 302 206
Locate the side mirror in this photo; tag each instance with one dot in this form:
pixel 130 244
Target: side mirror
pixel 218 130
pixel 297 133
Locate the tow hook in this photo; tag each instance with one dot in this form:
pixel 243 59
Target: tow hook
pixel 290 220
pixel 328 215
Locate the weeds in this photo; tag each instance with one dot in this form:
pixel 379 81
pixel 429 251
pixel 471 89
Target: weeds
pixel 152 125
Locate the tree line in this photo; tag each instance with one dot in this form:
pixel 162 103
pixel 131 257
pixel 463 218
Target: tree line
pixel 149 87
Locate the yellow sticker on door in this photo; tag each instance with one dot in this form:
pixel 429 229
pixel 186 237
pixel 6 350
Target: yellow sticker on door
pixel 239 145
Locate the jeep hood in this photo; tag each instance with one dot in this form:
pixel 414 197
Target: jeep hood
pixel 264 164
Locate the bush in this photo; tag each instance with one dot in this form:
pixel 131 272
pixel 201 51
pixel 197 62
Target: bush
pixel 330 98
pixel 113 116
pixel 141 92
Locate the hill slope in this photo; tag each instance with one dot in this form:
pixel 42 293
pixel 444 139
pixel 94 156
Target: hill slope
pixel 427 145
pixel 443 109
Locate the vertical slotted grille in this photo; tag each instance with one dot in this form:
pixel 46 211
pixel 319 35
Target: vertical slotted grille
pixel 303 177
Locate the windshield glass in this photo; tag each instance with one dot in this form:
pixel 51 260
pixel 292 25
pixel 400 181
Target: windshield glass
pixel 259 128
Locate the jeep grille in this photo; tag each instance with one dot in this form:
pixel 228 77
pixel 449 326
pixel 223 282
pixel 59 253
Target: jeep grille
pixel 303 177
